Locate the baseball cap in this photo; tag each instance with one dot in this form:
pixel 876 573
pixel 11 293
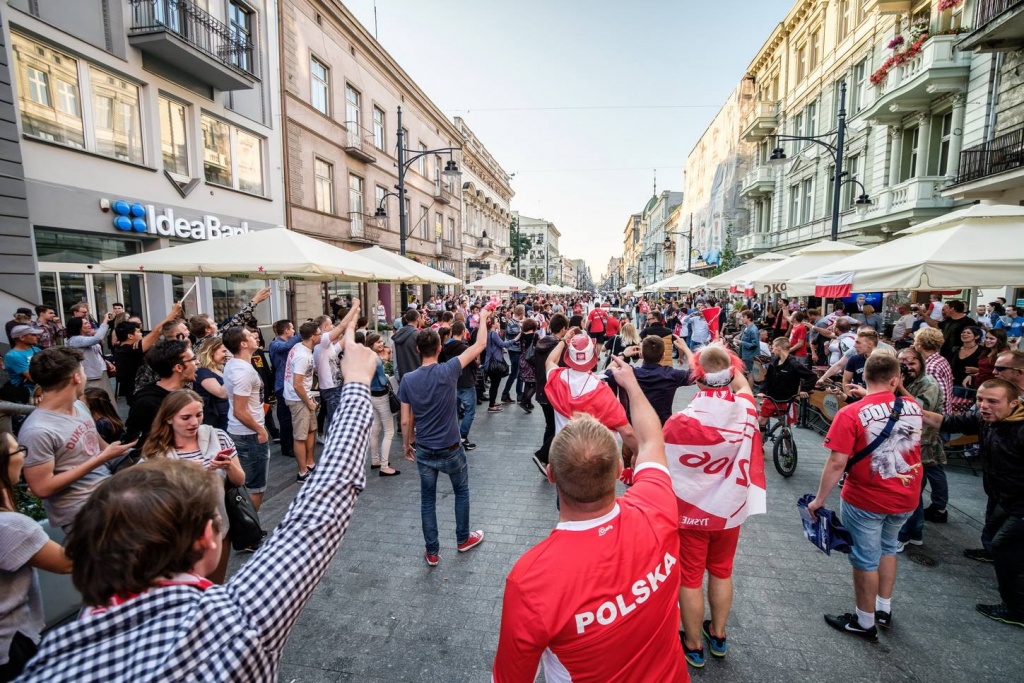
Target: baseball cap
pixel 21 330
pixel 24 311
pixel 580 354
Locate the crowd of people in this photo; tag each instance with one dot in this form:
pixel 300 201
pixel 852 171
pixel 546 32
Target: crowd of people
pixel 131 438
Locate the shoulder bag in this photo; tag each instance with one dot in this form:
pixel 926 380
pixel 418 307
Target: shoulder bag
pixel 393 403
pixel 245 531
pixel 894 417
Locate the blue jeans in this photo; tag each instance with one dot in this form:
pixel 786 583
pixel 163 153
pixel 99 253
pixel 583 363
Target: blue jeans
pixel 430 462
pixel 254 457
pixel 513 375
pixel 874 534
pixel 329 400
pixel 284 422
pixel 467 399
pixel 935 477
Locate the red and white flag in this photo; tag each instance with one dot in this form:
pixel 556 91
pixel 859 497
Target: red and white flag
pixel 711 318
pixel 716 460
pixel 834 286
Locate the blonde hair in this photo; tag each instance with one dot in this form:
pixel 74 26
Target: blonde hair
pixel 205 354
pixel 629 335
pixel 928 338
pixel 713 358
pixel 584 461
pixel 869 309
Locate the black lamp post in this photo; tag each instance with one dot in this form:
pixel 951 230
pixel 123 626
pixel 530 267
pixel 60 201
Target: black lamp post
pixel 836 150
pixel 688 235
pixel 451 168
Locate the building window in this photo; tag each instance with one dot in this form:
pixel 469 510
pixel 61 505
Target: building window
pixel 811 116
pixel 240 26
pixel 118 124
pixel 424 222
pixel 323 191
pixel 379 195
pixel 794 205
pixel 858 94
pixel 421 163
pixel 451 231
pixel 438 225
pixel 798 131
pixel 174 137
pixel 844 18
pixel 862 11
pixel 352 110
pixel 851 189
pixel 378 129
pixel 45 76
pixel 911 143
pixel 815 50
pixel 232 157
pixel 320 86
pixel 808 201
pixel 945 135
pixel 355 198
pixel 801 63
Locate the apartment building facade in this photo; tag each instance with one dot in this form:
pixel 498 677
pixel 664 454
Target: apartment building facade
pixel 541 263
pixel 657 246
pixel 631 250
pixel 142 124
pixel 342 93
pixel 486 193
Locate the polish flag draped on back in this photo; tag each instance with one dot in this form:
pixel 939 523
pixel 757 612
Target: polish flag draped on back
pixel 716 461
pixel 834 286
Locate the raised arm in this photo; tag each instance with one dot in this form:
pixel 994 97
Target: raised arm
pixel 312 530
pixel 239 318
pixel 474 351
pixel 154 334
pixel 339 330
pixel 650 442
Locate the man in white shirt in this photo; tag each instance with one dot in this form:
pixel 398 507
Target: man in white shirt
pixel 327 360
pixel 902 331
pixel 298 386
pixel 245 411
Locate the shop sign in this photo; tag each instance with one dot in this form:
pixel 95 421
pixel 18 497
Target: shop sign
pixel 143 218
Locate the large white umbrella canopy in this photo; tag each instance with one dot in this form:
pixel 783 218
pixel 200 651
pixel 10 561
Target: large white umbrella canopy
pixel 546 288
pixel 683 282
pixel 979 246
pixel 419 274
pixel 628 289
pixel 278 253
pixel 724 280
pixel 501 282
pixel 778 276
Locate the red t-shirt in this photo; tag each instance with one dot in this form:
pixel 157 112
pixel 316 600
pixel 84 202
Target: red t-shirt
pixel 798 334
pixel 889 480
pixel 596 601
pixel 612 327
pixel 597 320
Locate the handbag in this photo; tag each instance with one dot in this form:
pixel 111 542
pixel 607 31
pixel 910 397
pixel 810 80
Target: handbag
pixel 498 367
pixel 393 403
pixel 245 530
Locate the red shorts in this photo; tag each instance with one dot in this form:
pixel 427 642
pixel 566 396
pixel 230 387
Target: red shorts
pixel 711 551
pixel 770 408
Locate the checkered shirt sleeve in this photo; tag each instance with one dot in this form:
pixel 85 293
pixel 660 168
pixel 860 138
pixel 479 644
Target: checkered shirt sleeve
pixel 234 632
pixel 938 367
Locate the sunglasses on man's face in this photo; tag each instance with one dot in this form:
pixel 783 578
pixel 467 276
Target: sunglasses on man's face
pixel 1005 368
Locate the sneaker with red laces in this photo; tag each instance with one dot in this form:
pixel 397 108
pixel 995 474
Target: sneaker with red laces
pixel 432 559
pixel 475 539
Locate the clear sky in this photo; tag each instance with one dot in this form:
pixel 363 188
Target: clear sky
pixel 581 99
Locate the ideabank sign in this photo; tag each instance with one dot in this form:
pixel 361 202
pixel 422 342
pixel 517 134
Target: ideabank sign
pixel 143 218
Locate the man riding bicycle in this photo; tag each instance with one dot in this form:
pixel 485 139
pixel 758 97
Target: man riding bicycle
pixel 785 378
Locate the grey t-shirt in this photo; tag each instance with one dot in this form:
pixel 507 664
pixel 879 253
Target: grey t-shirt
pixel 241 379
pixel 21 603
pixel 69 441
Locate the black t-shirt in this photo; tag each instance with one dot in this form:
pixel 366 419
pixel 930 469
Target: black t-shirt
pixel 951 331
pixel 127 359
pixel 855 365
pixel 453 348
pixel 656 330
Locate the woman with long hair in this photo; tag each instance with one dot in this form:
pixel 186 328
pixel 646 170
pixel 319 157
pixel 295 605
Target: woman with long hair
pixel 965 357
pixel 26 547
pixel 209 384
pixel 527 371
pixel 617 345
pixel 382 429
pixel 495 352
pixel 995 343
pixel 513 328
pixel 108 423
pixel 178 433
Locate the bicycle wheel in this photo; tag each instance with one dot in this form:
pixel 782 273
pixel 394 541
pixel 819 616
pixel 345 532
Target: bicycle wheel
pixel 784 454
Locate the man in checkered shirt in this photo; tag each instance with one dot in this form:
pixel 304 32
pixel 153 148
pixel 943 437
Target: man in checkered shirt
pixel 178 626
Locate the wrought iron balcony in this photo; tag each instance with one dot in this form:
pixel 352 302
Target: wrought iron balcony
pixel 442 190
pixel 998 26
pixel 359 142
pixel 998 155
pixel 363 228
pixel 199 46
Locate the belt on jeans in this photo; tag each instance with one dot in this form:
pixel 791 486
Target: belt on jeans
pixel 444 448
pixel 378 392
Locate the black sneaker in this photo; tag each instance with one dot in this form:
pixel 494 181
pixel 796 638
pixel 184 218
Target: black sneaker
pixel 507 399
pixel 936 516
pixel 694 658
pixel 468 445
pixel 847 623
pixel 1001 613
pixel 719 646
pixel 978 555
pixel 883 619
pixel 301 478
pixel 541 465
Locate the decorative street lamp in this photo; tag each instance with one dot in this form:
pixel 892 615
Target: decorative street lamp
pixel 451 169
pixel 778 157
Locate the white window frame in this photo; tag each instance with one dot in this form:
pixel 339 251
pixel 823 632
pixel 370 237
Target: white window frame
pixel 807 207
pixel 233 131
pixel 323 189
pixel 319 87
pixel 380 132
pixel 945 142
pixel 186 120
pixel 356 202
pixel 794 205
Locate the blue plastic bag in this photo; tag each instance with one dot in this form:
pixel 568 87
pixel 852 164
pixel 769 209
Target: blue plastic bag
pixel 824 529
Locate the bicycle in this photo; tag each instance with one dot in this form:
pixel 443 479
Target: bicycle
pixel 784 451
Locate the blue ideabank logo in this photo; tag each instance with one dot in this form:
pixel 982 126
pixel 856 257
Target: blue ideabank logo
pixel 129 217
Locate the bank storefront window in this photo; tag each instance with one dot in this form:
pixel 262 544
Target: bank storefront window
pixel 70 247
pixel 230 296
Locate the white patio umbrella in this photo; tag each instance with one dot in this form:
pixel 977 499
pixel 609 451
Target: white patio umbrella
pixel 420 274
pixel 683 282
pixel 778 276
pixel 723 280
pixel 979 246
pixel 628 289
pixel 545 288
pixel 501 282
pixel 278 253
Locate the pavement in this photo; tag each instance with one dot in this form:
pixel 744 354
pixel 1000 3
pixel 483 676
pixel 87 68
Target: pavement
pixel 380 614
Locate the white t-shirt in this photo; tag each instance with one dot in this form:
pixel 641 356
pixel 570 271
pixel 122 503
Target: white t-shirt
pixel 327 361
pixel 300 362
pixel 241 379
pixel 935 310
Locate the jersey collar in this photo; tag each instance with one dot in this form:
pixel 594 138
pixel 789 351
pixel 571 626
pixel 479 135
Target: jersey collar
pixel 586 524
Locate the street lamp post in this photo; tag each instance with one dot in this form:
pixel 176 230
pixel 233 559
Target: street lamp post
pixel 688 235
pixel 404 162
pixel 836 150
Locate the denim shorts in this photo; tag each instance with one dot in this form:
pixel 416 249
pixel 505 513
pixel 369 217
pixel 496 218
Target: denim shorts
pixel 874 534
pixel 255 460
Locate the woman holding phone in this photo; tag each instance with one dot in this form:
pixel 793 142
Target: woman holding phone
pixel 178 432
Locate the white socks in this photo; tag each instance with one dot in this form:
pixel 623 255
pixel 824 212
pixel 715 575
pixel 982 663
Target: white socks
pixel 883 604
pixel 865 619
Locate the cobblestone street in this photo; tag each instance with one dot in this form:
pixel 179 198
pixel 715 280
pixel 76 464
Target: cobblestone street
pixel 381 614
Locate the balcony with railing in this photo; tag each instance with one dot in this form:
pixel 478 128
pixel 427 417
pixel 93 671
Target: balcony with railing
pixel 194 43
pixel 364 229
pixel 754 243
pixel 1000 156
pixel 358 142
pixel 937 66
pixel 443 192
pixel 998 26
pixel 759 182
pixel 912 201
pixel 761 122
